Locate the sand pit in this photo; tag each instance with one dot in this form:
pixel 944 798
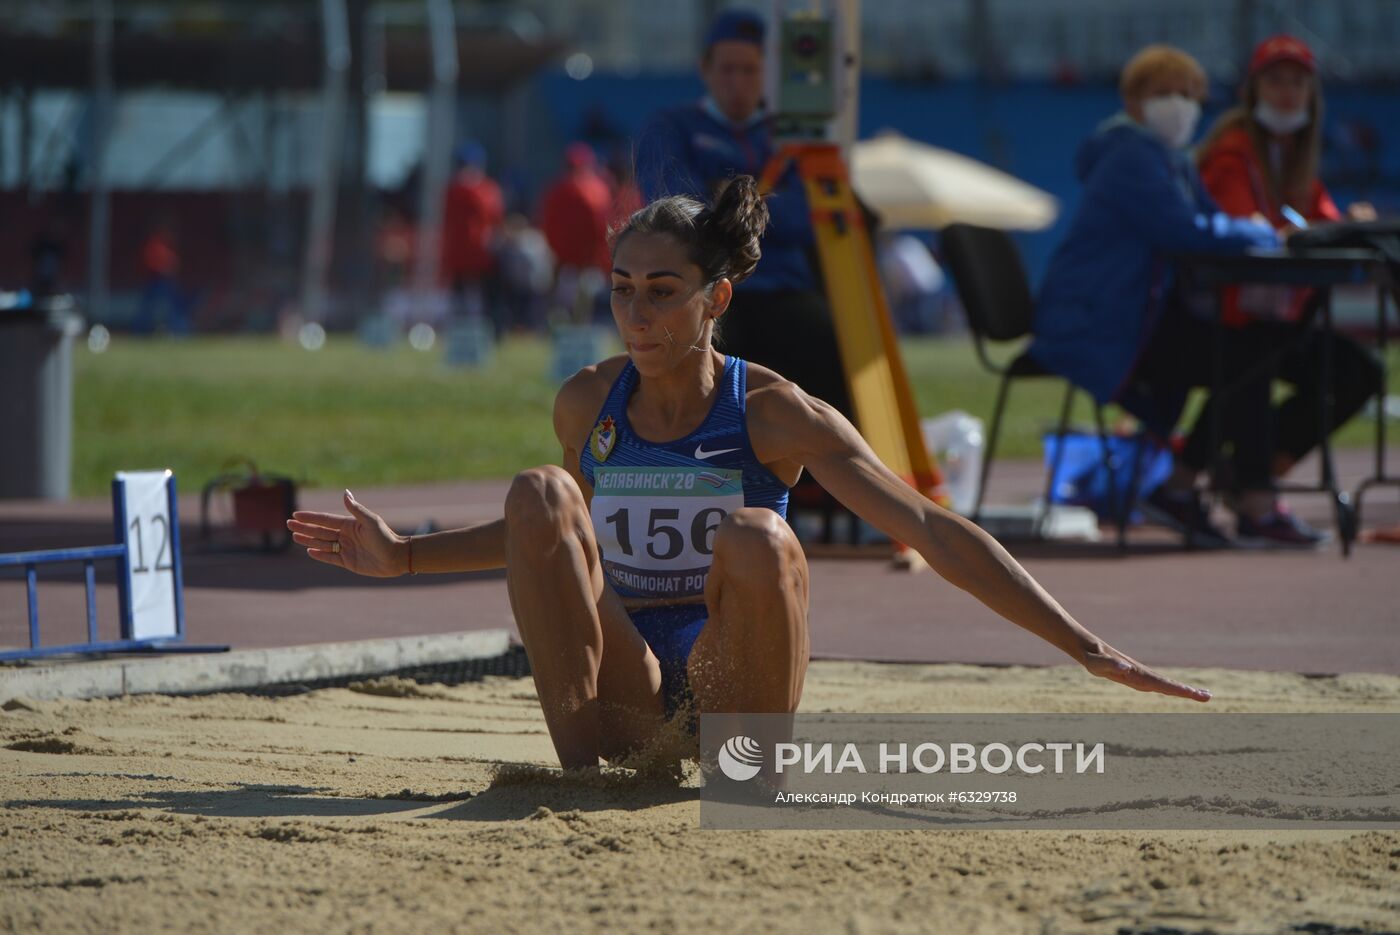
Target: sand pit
pixel 398 807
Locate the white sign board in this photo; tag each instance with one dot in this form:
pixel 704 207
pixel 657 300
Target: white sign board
pixel 148 532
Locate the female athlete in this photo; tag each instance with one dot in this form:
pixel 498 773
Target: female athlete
pixel 654 571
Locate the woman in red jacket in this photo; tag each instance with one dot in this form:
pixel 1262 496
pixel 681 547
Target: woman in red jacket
pixel 1259 159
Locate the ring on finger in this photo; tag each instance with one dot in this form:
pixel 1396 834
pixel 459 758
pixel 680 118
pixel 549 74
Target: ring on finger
pixel 335 547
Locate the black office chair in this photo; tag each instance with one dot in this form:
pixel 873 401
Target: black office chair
pixel 996 296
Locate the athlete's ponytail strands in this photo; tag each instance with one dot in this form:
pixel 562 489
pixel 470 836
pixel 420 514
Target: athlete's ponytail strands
pixel 735 224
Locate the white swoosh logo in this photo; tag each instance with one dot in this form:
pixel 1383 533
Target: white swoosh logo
pixel 703 455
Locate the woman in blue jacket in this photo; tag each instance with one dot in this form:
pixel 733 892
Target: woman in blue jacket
pixel 1108 319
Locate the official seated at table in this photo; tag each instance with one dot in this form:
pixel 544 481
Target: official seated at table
pixel 1108 318
pixel 1260 159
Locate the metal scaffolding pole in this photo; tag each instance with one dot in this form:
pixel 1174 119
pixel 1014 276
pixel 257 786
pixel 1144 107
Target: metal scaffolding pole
pixel 437 153
pixel 846 126
pixel 100 217
pixel 320 235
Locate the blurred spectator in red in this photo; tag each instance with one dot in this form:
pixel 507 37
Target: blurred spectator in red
pixel 160 264
pixel 471 221
pixel 574 215
pixel 575 210
pixel 1263 155
pixel 1261 159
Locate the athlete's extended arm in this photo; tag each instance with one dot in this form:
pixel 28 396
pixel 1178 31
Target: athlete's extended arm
pixel 363 543
pixel 787 424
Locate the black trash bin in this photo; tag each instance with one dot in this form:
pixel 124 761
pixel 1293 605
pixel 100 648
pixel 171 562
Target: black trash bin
pixel 36 397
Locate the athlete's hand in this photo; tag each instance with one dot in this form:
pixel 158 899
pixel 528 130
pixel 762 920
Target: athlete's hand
pixel 1106 662
pixel 361 542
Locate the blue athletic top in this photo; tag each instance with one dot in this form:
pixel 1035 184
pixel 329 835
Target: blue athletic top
pixel 656 505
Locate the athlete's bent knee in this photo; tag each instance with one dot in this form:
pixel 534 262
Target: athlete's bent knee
pixel 542 500
pixel 754 538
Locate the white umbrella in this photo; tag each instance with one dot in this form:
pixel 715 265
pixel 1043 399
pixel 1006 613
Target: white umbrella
pixel 916 186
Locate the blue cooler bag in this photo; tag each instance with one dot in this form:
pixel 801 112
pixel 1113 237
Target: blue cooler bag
pixel 1083 478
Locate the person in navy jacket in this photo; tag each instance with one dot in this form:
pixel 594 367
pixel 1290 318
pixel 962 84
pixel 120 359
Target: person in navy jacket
pixel 1108 319
pixel 780 317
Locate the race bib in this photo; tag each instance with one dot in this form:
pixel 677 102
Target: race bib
pixel 656 525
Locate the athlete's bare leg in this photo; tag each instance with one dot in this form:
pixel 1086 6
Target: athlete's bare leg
pixel 598 682
pixel 751 656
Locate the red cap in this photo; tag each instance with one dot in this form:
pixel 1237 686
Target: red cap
pixel 1281 48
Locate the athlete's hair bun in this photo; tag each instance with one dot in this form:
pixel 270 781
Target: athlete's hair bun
pixel 722 239
pixel 735 224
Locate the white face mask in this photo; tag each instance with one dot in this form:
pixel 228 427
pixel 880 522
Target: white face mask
pixel 1281 122
pixel 1172 118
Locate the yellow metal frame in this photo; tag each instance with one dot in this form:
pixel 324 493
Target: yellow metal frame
pixel 879 387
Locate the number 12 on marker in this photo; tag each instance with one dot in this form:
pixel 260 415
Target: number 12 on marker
pixel 145 507
pixel 136 543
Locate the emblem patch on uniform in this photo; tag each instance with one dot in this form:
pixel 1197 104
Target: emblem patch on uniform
pixel 603 438
pixel 714 480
